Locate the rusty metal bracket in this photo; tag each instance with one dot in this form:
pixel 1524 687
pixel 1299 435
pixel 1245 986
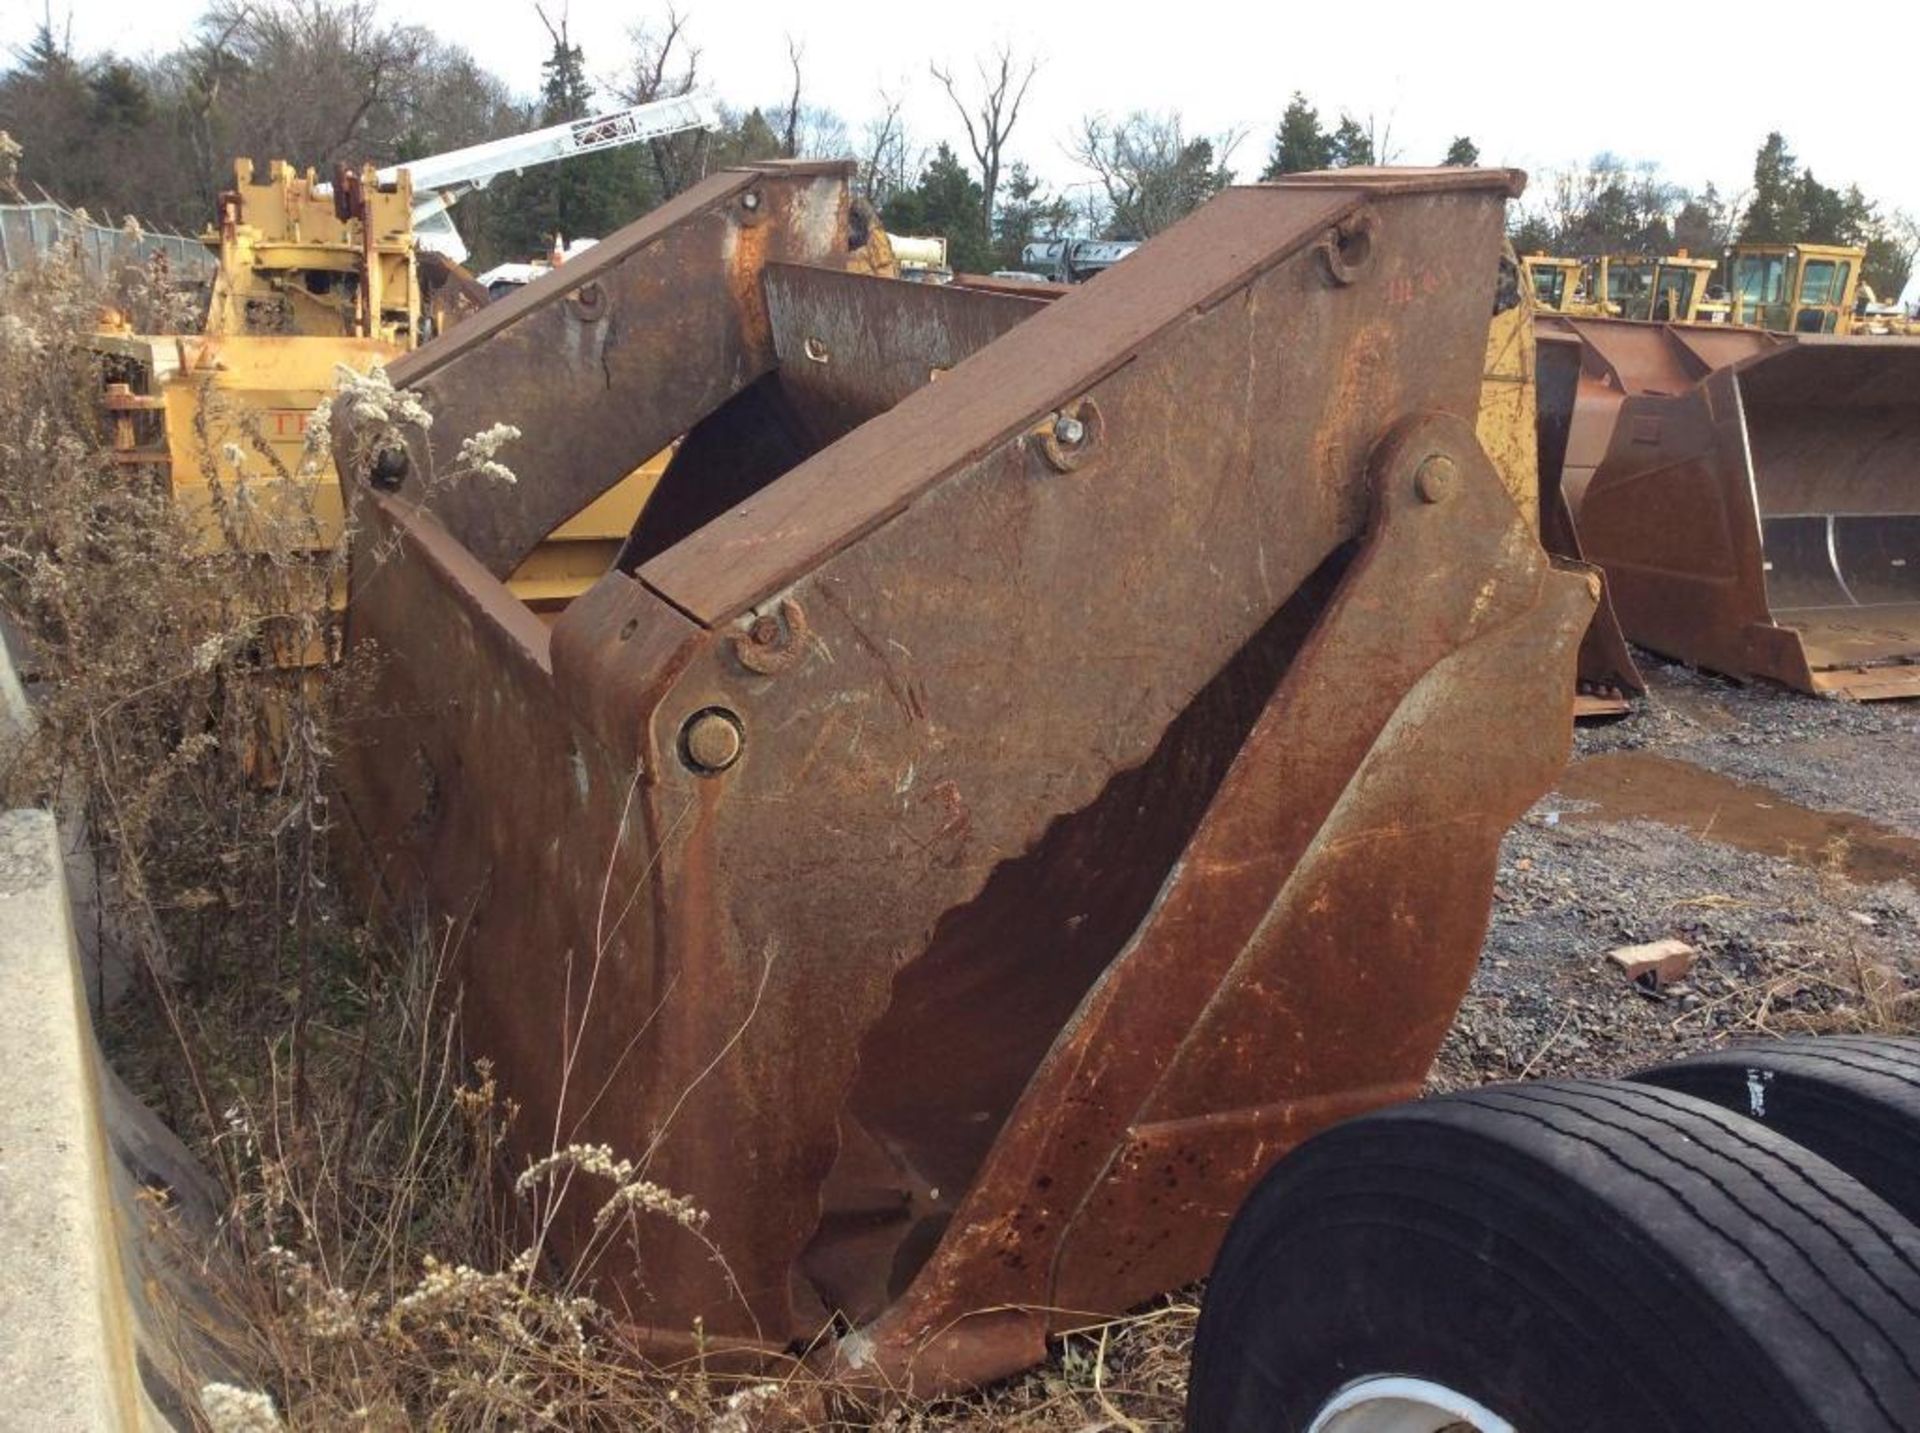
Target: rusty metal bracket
pixel 1347 248
pixel 772 643
pixel 1066 439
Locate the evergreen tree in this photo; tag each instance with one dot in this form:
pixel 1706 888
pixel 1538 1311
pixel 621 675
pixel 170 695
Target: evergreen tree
pixel 1026 213
pixel 1463 153
pixel 944 204
pixel 48 107
pixel 746 138
pixel 1825 215
pixel 1350 144
pixel 1533 234
pixel 1299 144
pixel 121 100
pixel 1701 227
pixel 1773 214
pixel 1791 206
pixel 587 197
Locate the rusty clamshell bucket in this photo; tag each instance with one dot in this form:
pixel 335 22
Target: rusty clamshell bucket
pixel 1755 499
pixel 1032 764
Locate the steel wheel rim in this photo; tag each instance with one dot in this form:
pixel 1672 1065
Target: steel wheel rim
pixel 1396 1403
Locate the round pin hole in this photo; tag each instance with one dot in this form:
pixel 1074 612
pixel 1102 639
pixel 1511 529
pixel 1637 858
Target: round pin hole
pixel 816 349
pixel 627 629
pixel 1356 247
pixel 1348 249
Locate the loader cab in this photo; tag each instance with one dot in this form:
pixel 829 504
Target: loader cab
pixel 1794 288
pixel 1680 285
pixel 1652 288
pixel 1555 282
pixel 1627 283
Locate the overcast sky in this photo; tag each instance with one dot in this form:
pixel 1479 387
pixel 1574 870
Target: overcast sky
pixel 1536 86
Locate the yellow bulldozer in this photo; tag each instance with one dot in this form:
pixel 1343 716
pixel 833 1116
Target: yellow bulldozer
pixel 1782 288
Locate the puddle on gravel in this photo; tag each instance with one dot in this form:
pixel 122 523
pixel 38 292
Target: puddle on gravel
pixel 1634 785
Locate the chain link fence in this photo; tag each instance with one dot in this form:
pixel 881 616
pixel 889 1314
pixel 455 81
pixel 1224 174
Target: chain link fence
pixel 30 230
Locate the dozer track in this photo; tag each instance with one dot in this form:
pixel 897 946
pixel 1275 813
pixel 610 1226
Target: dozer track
pixel 1031 765
pixel 1753 498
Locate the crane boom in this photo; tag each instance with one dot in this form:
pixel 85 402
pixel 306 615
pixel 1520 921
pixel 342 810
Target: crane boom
pixel 441 179
pixel 463 170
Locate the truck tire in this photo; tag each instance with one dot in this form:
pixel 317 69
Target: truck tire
pixel 1852 1100
pixel 1564 1256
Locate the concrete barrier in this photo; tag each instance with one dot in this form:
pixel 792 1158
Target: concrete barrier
pixel 80 1348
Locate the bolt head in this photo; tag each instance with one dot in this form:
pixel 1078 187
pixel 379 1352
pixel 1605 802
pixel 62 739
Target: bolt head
pixel 388 469
pixel 711 740
pixel 1439 475
pixel 1069 431
pixel 750 201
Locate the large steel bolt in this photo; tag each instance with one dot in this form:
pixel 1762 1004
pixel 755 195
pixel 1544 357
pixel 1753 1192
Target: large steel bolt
pixel 711 740
pixel 389 468
pixel 1437 478
pixel 1069 431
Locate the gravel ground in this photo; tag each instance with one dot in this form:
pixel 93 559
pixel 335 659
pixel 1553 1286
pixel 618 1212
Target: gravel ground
pixel 1792 934
pixel 1833 755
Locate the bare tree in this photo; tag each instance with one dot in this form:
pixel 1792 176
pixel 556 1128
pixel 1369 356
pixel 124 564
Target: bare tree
pixel 989 119
pixel 790 130
pixel 1898 239
pixel 317 74
pixel 1380 138
pixel 886 161
pixel 820 134
pixel 665 63
pixel 1153 175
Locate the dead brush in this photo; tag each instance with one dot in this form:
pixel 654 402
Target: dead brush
pixel 149 644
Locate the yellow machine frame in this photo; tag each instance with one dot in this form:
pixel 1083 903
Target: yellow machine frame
pixel 309 282
pixel 297 262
